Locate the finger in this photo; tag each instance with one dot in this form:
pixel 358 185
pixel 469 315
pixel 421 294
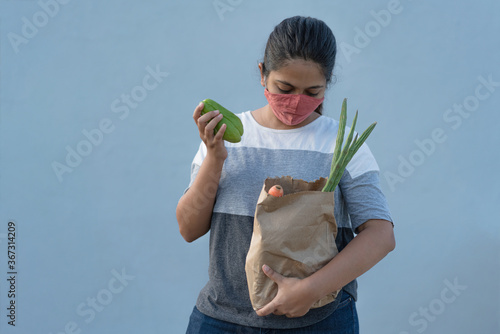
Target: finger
pixel 267 309
pixel 208 116
pixel 209 129
pixel 197 111
pixel 203 121
pixel 276 277
pixel 221 131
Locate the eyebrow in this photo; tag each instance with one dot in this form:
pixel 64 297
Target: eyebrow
pixel 288 84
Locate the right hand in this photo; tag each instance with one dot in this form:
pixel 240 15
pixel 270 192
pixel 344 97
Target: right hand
pixel 206 125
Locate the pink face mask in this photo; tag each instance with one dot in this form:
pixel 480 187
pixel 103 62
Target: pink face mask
pixel 292 109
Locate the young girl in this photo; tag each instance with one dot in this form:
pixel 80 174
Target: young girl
pixel 288 136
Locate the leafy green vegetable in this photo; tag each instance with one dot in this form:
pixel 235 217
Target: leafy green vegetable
pixel 342 156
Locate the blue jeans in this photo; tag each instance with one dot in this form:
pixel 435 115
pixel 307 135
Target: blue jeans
pixel 343 321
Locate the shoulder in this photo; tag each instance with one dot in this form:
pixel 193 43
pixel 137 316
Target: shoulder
pixel 362 162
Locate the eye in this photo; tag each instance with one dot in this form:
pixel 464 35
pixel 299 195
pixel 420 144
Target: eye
pixel 311 94
pixel 284 91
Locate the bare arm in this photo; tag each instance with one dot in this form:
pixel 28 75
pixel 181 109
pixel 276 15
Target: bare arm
pixel 295 296
pixel 194 209
pixel 374 241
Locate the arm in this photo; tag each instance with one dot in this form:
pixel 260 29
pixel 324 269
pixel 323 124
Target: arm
pixel 194 209
pixel 374 241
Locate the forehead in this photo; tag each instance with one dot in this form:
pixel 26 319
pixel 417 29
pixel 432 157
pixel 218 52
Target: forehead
pixel 300 72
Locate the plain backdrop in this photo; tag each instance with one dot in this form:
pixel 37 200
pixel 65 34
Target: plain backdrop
pixel 97 247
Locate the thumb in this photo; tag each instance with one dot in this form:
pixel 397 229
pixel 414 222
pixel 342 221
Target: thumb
pixel 276 277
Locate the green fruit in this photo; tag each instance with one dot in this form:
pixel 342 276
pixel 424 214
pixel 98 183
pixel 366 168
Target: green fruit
pixel 234 127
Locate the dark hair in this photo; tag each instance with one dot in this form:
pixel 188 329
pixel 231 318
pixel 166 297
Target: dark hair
pixel 301 37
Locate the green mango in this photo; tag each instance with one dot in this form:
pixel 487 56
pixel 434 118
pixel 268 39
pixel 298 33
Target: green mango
pixel 234 127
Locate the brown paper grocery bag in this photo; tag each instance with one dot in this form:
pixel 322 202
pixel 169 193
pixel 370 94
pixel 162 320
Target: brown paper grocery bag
pixel 294 235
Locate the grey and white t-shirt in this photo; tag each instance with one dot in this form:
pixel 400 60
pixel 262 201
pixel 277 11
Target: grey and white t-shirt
pixel 303 153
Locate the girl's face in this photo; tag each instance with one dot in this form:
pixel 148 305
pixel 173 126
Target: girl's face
pixel 298 76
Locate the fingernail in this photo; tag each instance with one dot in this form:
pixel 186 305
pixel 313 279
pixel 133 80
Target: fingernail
pixel 265 268
pixel 216 111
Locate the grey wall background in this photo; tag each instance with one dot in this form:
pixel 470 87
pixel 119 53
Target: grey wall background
pixel 98 248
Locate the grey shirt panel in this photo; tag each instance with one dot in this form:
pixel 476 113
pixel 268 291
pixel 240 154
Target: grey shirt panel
pixel 226 295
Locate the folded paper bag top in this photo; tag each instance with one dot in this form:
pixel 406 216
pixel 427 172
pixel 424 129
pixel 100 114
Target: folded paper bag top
pixel 294 235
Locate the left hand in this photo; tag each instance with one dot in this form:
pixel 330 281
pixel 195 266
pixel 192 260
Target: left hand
pixel 294 298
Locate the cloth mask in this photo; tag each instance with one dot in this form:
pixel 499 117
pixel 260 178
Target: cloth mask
pixel 292 109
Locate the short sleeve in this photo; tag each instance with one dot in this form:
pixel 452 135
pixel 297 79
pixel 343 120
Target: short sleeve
pixel 360 186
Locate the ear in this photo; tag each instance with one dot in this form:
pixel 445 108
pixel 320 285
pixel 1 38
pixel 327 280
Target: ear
pixel 262 79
